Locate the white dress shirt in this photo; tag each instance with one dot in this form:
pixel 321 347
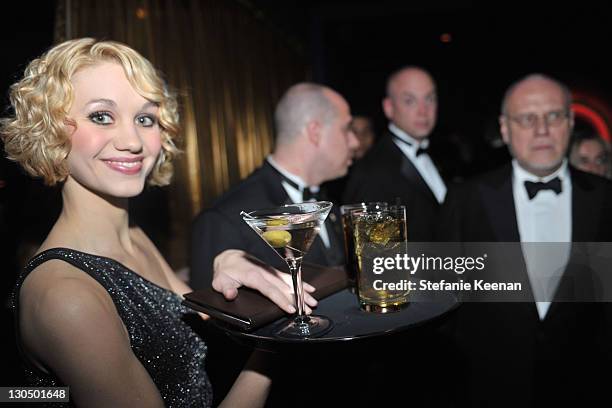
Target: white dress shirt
pixel 422 162
pixel 295 195
pixel 546 218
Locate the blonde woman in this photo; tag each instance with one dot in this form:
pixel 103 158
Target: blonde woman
pixel 98 308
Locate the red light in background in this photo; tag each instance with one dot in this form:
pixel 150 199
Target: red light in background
pixel 592 117
pixel 446 38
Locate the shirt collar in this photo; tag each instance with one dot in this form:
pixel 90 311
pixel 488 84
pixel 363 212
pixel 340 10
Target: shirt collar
pixel 414 144
pixel 521 175
pixel 296 179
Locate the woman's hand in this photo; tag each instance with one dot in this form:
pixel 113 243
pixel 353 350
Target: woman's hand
pixel 234 268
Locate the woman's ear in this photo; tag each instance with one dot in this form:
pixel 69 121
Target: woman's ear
pixel 69 125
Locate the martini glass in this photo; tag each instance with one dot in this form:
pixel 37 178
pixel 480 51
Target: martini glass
pixel 290 230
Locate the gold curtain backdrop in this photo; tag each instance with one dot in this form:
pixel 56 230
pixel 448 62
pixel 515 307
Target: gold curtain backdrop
pixel 229 69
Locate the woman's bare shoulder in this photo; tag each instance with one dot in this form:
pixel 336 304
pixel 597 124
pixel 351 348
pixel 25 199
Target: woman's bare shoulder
pixel 70 326
pixel 58 303
pixel 56 283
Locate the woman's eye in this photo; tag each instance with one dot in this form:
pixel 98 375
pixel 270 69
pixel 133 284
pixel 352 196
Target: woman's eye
pixel 101 118
pixel 146 120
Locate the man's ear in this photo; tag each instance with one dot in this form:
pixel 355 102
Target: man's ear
pixel 387 106
pixel 313 132
pixel 503 129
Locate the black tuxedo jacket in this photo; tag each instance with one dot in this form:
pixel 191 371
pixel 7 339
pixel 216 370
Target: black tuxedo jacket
pixel 482 210
pixel 385 174
pixel 511 358
pixel 221 227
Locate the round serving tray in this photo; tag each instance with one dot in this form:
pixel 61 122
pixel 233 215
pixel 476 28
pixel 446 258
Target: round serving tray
pixel 352 323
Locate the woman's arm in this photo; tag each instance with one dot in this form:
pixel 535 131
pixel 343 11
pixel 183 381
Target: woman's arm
pixel 235 268
pixel 69 326
pixel 252 386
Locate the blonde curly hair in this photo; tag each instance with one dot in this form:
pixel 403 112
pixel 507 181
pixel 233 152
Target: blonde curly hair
pixel 36 135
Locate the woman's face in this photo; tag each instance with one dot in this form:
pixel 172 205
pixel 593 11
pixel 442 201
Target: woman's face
pixel 117 139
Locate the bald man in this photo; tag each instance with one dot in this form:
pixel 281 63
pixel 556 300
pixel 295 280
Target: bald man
pixel 542 352
pixel 399 169
pixel 314 144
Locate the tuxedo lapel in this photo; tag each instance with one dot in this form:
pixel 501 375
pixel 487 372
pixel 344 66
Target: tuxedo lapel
pixel 585 217
pixel 577 283
pixel 499 205
pixel 273 180
pixel 334 218
pixel 501 213
pixel 412 174
pixel 333 224
pixel 408 170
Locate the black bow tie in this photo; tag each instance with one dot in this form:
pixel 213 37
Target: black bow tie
pixel 419 151
pixel 309 195
pixel 533 188
pixel 306 193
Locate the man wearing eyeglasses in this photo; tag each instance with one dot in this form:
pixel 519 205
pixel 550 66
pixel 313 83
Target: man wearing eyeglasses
pixel 542 352
pixel 538 196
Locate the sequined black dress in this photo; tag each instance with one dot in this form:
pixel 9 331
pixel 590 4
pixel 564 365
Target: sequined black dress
pixel 165 345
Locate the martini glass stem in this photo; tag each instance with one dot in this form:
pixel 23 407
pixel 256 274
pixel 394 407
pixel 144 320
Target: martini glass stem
pixel 295 267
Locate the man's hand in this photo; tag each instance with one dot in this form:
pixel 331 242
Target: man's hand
pixel 234 268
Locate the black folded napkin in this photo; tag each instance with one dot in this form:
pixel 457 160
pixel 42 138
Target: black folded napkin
pixel 251 310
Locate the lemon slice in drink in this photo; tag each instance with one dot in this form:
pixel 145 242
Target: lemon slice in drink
pixel 277 239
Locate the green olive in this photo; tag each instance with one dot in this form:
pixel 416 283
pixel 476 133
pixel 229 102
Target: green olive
pixel 277 239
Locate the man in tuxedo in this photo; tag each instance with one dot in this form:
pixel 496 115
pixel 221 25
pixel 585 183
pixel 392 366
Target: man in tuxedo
pixel 541 352
pixel 398 168
pixel 314 144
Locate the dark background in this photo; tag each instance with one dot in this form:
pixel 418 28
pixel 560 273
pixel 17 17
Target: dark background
pixel 352 46
pixel 26 208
